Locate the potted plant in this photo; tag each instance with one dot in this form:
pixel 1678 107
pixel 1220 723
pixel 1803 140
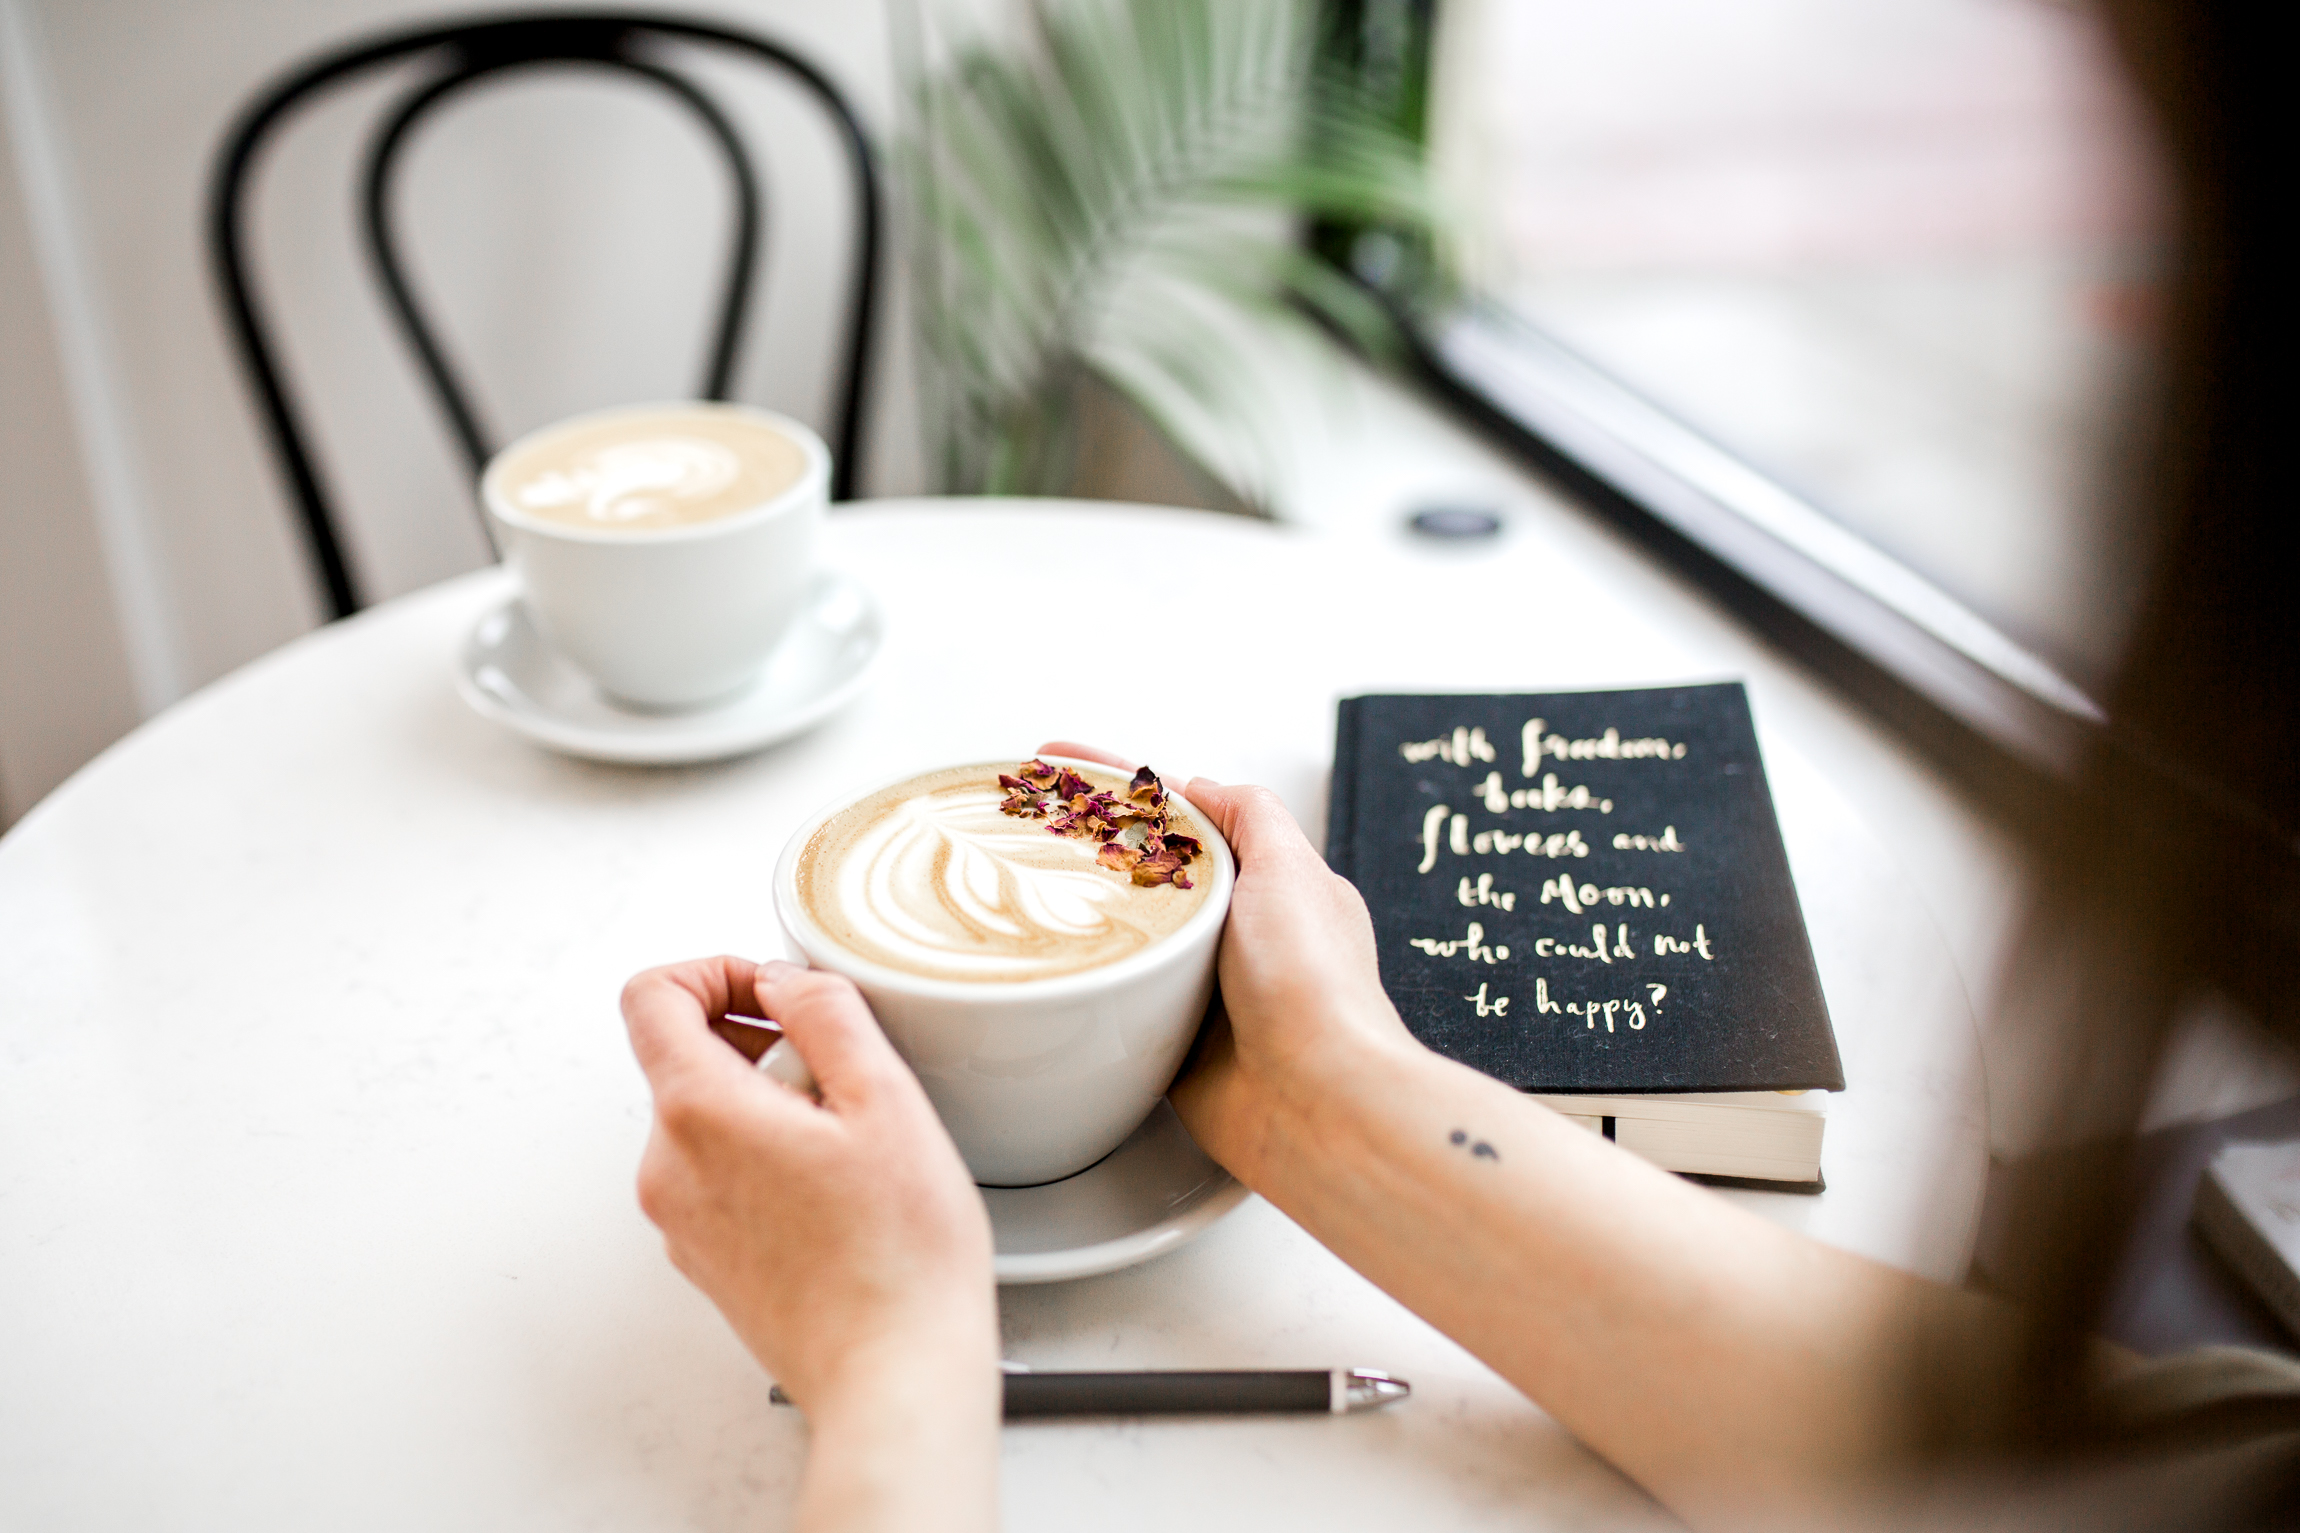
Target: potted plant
pixel 1104 200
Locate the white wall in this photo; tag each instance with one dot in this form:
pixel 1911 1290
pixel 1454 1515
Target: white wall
pixel 63 663
pixel 569 230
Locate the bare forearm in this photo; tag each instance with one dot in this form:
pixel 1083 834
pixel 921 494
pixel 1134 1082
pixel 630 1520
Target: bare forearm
pixel 1728 1365
pixel 906 1443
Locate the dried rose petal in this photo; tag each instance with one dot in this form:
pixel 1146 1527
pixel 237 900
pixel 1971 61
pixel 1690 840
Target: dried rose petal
pixel 1131 830
pixel 1157 868
pixel 1022 799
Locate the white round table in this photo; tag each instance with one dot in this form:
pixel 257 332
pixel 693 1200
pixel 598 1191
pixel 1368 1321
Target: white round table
pixel 318 1128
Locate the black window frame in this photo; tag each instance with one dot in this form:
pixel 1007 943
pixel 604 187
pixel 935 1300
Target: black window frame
pixel 1994 715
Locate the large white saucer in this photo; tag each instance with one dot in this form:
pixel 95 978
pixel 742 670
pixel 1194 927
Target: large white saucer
pixel 1148 1196
pixel 509 674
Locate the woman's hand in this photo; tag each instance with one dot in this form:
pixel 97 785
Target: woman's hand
pixel 844 1242
pixel 1301 989
pixel 1735 1369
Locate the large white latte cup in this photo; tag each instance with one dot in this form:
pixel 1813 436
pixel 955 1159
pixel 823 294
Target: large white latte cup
pixel 1037 1079
pixel 664 549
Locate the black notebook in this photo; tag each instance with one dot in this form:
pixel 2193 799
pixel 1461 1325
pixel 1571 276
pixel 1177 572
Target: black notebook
pixel 1585 895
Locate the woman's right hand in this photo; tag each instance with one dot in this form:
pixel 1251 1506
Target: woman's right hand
pixel 1302 997
pixel 1302 994
pixel 1735 1369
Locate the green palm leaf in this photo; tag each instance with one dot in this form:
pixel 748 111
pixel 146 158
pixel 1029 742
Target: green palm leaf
pixel 1109 193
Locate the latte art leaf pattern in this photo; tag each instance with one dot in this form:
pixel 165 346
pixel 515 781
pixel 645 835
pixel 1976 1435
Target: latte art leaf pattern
pixel 625 481
pixel 933 879
pixel 944 888
pixel 648 470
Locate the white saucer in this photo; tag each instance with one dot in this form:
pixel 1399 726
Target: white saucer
pixel 1151 1194
pixel 508 673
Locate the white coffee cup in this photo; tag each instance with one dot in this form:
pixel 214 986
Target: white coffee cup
pixel 1037 1079
pixel 675 617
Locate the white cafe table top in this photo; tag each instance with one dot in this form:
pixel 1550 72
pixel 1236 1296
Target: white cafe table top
pixel 318 1127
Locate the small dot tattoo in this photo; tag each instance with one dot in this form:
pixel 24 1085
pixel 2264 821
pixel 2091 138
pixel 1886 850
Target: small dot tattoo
pixel 1480 1150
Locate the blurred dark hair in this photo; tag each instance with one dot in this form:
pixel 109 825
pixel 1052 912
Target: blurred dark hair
pixel 2173 867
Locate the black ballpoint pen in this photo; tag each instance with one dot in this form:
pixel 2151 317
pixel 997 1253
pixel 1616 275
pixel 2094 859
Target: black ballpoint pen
pixel 1226 1392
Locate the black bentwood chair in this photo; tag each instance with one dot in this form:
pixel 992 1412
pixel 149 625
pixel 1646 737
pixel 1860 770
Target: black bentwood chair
pixel 458 57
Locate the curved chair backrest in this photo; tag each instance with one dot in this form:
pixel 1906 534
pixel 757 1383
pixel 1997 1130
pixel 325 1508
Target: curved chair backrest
pixel 469 54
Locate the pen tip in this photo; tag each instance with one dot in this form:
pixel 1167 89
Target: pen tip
pixel 1370 1389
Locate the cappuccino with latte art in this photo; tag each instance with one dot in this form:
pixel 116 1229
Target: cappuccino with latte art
pixel 642 471
pixel 930 877
pixel 664 549
pixel 1039 951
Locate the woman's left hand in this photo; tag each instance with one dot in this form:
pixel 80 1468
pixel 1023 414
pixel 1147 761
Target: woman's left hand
pixel 844 1241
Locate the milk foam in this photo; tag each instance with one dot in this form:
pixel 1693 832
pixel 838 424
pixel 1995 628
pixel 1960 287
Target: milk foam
pixel 629 480
pixel 929 877
pixel 646 470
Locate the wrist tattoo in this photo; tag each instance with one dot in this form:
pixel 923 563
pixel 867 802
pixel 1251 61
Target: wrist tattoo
pixel 1479 1150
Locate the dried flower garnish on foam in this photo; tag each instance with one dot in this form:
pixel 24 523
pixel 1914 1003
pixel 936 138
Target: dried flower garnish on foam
pixel 1132 827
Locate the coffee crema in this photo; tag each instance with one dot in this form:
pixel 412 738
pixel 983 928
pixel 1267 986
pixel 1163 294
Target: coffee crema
pixel 650 470
pixel 930 878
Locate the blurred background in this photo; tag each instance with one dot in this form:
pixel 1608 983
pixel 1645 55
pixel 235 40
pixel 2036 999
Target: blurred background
pixel 1898 256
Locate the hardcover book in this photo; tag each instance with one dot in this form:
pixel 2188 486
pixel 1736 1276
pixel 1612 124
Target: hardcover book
pixel 2248 1210
pixel 1585 895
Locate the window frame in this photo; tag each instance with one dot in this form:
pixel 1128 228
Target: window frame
pixel 1993 713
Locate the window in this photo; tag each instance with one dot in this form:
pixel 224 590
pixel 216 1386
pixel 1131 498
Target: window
pixel 1897 255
